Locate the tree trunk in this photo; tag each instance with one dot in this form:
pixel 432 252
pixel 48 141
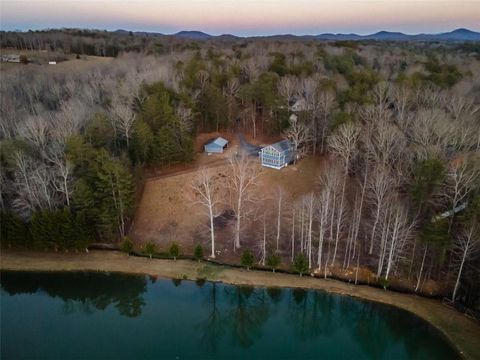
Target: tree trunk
pixel 212 232
pixel 293 234
pixel 279 215
pixel 457 282
pixel 264 240
pixel 421 268
pixel 237 224
pixel 310 222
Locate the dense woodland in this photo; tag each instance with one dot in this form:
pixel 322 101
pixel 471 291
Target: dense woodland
pixel 398 122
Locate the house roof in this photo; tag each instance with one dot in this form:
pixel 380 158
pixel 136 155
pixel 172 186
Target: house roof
pixel 219 141
pixel 281 146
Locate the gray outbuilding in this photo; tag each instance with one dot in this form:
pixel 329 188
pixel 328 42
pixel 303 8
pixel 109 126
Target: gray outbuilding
pixel 216 146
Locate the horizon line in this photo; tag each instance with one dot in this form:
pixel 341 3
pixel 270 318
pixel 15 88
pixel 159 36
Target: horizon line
pixel 237 35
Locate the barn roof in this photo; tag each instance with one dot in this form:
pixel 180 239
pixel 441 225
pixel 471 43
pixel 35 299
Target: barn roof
pixel 219 141
pixel 282 145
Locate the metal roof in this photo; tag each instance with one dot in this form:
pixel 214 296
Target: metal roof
pixel 281 146
pixel 218 141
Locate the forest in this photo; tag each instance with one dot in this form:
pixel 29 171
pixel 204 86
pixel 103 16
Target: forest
pixel 397 123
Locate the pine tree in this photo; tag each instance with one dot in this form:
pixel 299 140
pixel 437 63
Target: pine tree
pixel 300 264
pixel 114 194
pixel 142 142
pixel 174 250
pixel 13 231
pixel 44 231
pixel 198 252
pixel 247 259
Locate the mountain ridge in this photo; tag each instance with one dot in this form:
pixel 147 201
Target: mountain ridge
pixel 459 34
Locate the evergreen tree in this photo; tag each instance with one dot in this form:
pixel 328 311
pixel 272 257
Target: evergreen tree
pixel 427 176
pixel 174 250
pixel 127 245
pixel 142 142
pixel 247 259
pixel 114 193
pixel 150 249
pixel 44 231
pixel 300 264
pixel 273 261
pixel 13 232
pixel 83 204
pixel 198 252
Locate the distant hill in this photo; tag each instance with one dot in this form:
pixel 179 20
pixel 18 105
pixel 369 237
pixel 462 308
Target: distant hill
pixel 455 35
pixel 137 33
pixel 460 34
pixel 193 35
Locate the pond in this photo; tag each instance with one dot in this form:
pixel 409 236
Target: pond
pixel 104 315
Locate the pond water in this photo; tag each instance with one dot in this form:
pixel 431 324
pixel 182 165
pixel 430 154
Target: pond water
pixel 101 315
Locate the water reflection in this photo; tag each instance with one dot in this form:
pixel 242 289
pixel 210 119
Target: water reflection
pixel 231 321
pixel 79 292
pixel 309 313
pixel 247 313
pixel 212 328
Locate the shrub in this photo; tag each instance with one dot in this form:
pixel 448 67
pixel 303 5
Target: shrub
pixel 247 259
pixel 127 245
pixel 273 261
pixel 174 250
pixel 198 252
pixel 383 283
pixel 150 249
pixel 300 264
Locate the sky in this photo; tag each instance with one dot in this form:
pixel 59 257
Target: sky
pixel 244 17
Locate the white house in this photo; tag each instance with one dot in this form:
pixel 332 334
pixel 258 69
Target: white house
pixel 278 155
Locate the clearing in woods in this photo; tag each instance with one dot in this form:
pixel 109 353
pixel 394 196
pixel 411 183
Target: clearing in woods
pixel 167 210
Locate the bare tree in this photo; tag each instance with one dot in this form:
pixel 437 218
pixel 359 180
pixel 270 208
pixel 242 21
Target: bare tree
pixel 331 182
pixel 299 134
pixel 205 189
pixel 35 129
pixel 462 177
pixel 323 209
pixel 62 170
pixel 123 116
pixel 380 185
pixel 326 103
pixel 280 194
pixel 287 88
pixel 343 144
pixel 310 202
pixel 466 245
pixel 243 179
pixel 70 119
pixel 185 116
pixel 230 91
pixel 396 231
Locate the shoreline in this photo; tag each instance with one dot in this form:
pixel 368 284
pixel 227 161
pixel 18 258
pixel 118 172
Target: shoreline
pixel 463 333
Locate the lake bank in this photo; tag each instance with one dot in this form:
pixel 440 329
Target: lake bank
pixel 463 332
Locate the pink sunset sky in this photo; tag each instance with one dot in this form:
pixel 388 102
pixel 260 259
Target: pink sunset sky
pixel 244 17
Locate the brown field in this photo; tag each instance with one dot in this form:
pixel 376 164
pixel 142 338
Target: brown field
pixel 167 211
pixel 39 61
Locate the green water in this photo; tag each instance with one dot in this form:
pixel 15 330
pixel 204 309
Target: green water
pixel 101 315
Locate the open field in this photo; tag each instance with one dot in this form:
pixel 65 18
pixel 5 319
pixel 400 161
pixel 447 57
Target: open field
pixel 39 61
pixel 168 197
pixel 463 332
